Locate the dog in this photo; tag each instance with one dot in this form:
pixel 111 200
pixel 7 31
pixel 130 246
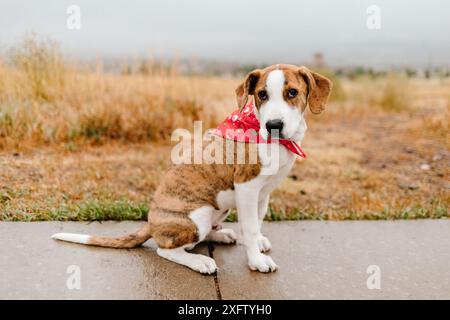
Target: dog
pixel 193 199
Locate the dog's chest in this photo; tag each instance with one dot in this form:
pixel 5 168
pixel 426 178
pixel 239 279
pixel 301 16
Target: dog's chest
pixel 278 163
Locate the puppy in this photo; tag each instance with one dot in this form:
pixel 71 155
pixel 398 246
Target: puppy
pixel 193 199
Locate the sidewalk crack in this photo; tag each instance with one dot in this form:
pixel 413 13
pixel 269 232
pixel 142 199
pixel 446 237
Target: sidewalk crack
pixel 215 275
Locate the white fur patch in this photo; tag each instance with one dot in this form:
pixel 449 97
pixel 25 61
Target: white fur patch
pixel 202 217
pixel 226 200
pixel 275 84
pixel 197 262
pixel 72 237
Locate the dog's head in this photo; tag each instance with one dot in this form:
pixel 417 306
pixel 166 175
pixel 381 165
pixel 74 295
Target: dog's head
pixel 282 93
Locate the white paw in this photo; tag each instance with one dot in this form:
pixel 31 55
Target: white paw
pixel 227 236
pixel 263 244
pixel 204 264
pixel 262 263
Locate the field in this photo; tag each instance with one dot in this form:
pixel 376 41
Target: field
pixel 80 143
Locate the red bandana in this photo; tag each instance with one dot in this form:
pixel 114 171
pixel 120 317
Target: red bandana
pixel 243 126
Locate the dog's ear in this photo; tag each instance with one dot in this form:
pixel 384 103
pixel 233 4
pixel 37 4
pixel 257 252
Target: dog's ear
pixel 247 87
pixel 319 89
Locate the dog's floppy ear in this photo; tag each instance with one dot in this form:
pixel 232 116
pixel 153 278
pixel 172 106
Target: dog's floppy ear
pixel 247 88
pixel 319 89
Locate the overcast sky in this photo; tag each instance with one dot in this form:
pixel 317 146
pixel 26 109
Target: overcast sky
pixel 413 32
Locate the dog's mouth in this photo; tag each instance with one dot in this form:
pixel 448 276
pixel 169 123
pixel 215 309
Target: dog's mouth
pixel 275 134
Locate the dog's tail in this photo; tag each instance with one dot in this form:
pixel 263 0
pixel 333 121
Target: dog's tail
pixel 127 242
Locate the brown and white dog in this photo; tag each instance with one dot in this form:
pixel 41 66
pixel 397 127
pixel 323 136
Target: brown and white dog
pixel 194 198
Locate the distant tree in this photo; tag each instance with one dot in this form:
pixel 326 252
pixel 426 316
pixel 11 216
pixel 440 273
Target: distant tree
pixel 410 73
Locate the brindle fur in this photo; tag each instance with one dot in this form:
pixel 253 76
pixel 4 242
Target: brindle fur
pixel 184 188
pixel 187 187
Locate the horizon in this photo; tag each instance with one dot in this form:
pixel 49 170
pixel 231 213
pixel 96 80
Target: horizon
pixel 412 34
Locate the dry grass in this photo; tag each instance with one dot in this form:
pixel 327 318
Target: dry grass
pixel 81 144
pixel 43 101
pixel 42 68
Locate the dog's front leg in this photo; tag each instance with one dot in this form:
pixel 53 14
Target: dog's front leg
pixel 263 243
pixel 247 207
pixel 263 205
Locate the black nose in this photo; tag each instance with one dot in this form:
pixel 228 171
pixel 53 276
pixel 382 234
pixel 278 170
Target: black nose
pixel 276 124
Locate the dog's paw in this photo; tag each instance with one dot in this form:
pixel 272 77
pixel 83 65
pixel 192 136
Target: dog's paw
pixel 227 236
pixel 262 263
pixel 263 243
pixel 204 265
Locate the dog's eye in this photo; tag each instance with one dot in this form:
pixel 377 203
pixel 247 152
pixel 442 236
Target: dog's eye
pixel 262 94
pixel 292 93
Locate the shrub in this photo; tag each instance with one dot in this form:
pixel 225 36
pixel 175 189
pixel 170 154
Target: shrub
pixel 41 62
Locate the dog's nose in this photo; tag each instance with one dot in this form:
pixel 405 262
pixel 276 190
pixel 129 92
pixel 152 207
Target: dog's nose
pixel 276 124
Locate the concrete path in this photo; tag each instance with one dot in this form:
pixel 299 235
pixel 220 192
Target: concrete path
pixel 317 260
